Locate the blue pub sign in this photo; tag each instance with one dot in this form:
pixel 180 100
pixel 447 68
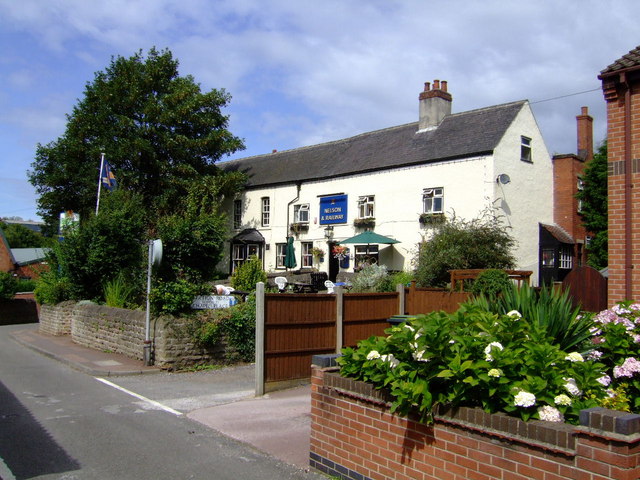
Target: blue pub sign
pixel 333 209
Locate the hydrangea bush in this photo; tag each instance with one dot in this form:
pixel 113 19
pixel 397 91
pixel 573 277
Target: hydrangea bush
pixel 616 339
pixel 476 358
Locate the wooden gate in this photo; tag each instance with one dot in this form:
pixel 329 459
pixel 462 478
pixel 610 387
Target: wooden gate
pixel 588 288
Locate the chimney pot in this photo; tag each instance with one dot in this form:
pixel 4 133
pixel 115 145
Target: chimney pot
pixel 444 85
pixel 585 110
pixel 436 84
pixel 427 86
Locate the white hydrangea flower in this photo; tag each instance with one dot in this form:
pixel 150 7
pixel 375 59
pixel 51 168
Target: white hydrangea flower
pixel 487 350
pixel 495 372
pixel 516 315
pixel 604 380
pixel 562 399
pixel 419 356
pixel 572 387
pixel 391 360
pixel 373 354
pixel 524 399
pixel 574 357
pixel 548 413
pixel 409 327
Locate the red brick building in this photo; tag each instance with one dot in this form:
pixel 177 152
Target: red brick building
pixel 621 88
pixel 562 244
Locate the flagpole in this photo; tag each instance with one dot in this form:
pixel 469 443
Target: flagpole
pixel 99 181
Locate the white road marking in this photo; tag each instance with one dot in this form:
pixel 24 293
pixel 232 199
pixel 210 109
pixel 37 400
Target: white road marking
pixel 5 473
pixel 140 397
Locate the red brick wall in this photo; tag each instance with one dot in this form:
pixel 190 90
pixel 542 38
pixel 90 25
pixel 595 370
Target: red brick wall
pixel 353 436
pixel 566 169
pixel 615 96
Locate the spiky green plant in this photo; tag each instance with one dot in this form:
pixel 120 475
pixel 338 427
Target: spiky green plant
pixel 118 292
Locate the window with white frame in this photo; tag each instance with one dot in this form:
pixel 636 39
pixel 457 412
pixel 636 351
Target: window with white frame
pixel 566 257
pixel 525 149
pixel 307 256
pixel 281 252
pixel 266 211
pixel 301 213
pixel 237 213
pixel 365 206
pixel 366 255
pixel 433 200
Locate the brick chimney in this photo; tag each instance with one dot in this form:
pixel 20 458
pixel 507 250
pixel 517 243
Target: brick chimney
pixel 585 134
pixel 435 104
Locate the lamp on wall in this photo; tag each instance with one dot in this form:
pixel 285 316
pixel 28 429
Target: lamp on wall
pixel 328 232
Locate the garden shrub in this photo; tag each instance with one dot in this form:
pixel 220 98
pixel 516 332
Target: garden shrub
pixel 52 288
pixel 174 297
pixel 247 275
pixel 491 282
pixel 8 286
pixel 477 358
pixel 26 285
pixel 549 308
pixel 375 278
pixel 119 292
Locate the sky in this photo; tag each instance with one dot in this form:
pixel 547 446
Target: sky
pixel 306 72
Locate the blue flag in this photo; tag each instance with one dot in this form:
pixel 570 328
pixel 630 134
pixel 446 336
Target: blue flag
pixel 108 178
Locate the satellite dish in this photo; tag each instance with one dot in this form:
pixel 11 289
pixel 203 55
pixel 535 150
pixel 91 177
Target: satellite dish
pixel 156 257
pixel 503 178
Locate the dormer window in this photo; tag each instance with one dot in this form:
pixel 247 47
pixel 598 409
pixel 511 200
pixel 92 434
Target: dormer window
pixel 525 149
pixel 433 200
pixel 365 206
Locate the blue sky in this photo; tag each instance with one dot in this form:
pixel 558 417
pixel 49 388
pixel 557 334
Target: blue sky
pixel 306 72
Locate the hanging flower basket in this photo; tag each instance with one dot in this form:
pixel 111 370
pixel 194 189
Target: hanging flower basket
pixel 299 227
pixel 427 219
pixel 368 222
pixel 317 253
pixel 340 252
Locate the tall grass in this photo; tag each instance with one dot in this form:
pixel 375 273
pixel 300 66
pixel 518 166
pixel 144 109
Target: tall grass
pixel 118 292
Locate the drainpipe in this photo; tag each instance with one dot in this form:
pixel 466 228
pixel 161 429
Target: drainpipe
pixel 628 253
pixel 294 200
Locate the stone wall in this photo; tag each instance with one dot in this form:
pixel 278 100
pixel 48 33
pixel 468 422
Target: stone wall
pixel 123 331
pixel 56 319
pixel 354 436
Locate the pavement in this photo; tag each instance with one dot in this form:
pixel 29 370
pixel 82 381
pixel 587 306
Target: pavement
pixel 278 423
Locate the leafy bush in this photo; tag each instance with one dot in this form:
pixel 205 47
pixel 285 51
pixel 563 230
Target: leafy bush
pixel 549 308
pixel 8 286
pixel 26 285
pixel 174 297
pixel 248 275
pixel 375 278
pixel 52 288
pixel 118 292
pixel 483 242
pixel 491 282
pixel 476 358
pixel 237 325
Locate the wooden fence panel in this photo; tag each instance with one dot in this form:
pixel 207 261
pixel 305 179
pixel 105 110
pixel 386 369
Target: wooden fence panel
pixel 366 314
pixel 588 288
pixel 424 300
pixel 296 328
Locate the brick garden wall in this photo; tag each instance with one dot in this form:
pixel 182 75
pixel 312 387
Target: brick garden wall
pixel 353 436
pixel 123 331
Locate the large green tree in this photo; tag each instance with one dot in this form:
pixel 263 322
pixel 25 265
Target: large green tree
pixel 159 132
pixel 482 242
pixel 594 207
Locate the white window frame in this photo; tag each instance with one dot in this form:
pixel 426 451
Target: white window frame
pixel 365 253
pixel 430 197
pixel 566 257
pixel 301 213
pixel 307 256
pixel 281 253
pixel 266 211
pixel 525 149
pixel 237 214
pixel 366 206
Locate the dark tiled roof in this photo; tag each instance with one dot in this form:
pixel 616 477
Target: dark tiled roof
pixel 558 233
pixel 458 136
pixel 631 59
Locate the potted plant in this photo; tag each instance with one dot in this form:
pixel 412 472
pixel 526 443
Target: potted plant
pixel 318 254
pixel 367 222
pixel 431 218
pixel 299 227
